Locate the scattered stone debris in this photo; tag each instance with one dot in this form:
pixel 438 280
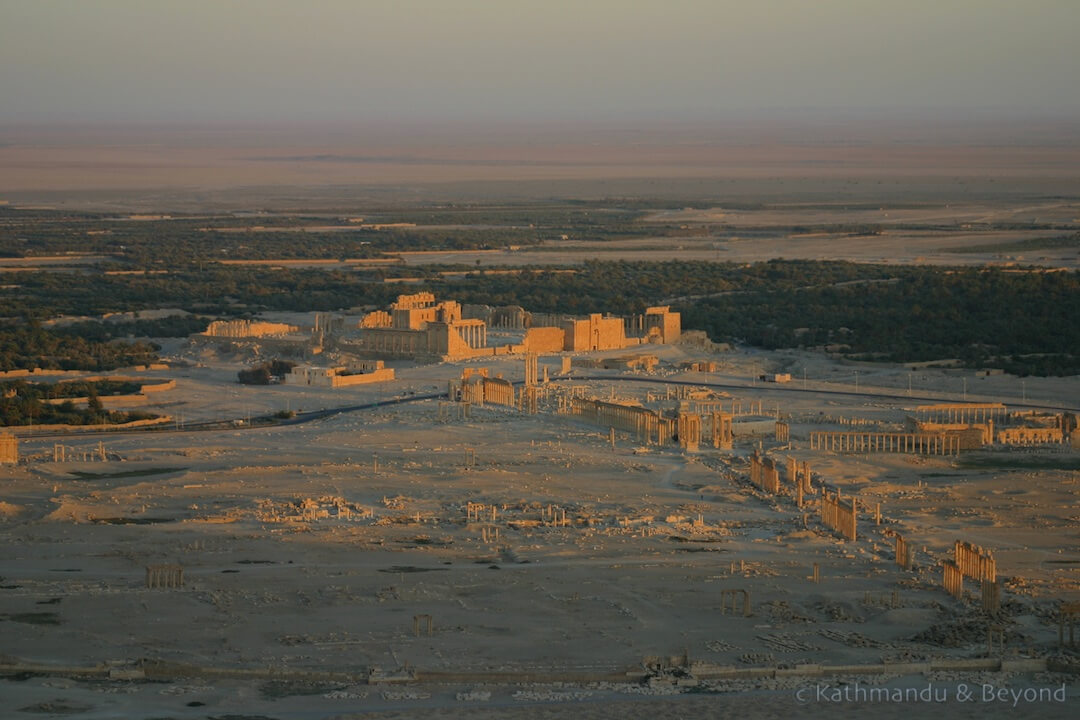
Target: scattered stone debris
pixel 958 633
pixel 635 689
pixel 780 611
pixel 852 639
pixel 344 695
pixel 57 707
pixel 756 658
pixel 786 642
pixel 405 695
pixel 184 689
pixel 839 612
pixel 551 695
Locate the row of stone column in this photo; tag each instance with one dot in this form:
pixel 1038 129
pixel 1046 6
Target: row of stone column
pixel 689 428
pixel 647 424
pixel 917 443
pixel 532 373
pixel 164 576
pixel 529 399
pixel 966 413
pixel 475 336
pixel 974 561
pixel 498 391
pixel 798 474
pixel 903 552
pixel 952 579
pixel 839 515
pixel 723 435
pixel 764 473
pixel 474 512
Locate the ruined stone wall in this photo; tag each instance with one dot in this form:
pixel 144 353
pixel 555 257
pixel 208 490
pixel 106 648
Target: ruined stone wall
pixel 463 339
pixel 417 300
pixel 595 333
pixel 412 318
pixel 9 448
pixel 971 436
pixel 376 319
pixel 544 340
pixel 247 328
pixel 375 376
pixel 663 324
pixel 1030 436
pixel 477 312
pixel 498 391
pixel 336 377
pixel 392 342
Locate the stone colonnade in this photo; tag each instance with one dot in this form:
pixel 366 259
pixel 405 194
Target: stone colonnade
pixel 689 429
pixel 903 552
pixel 473 333
pixel 839 515
pixel 917 443
pixel 764 473
pixel 991 596
pixel 960 413
pixel 529 399
pixel 974 561
pixel 723 434
pixel 953 579
pixel 475 512
pixel 798 474
pixel 498 391
pixel 532 373
pixel 164 576
pixel 729 597
pixel 647 424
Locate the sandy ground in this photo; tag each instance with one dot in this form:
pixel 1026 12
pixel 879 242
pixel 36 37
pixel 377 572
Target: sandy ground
pixel 632 576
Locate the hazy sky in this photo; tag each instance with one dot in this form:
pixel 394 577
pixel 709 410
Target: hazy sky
pixel 106 61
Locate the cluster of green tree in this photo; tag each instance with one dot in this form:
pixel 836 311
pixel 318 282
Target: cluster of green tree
pixel 171 326
pixel 180 242
pixel 23 403
pixel 1046 243
pixel 217 290
pixel 1020 321
pixel 264 373
pixel 28 346
pixel 629 287
pixel 1016 320
pixel 83 388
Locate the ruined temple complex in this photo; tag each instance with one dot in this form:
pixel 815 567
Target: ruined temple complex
pixel 421 327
